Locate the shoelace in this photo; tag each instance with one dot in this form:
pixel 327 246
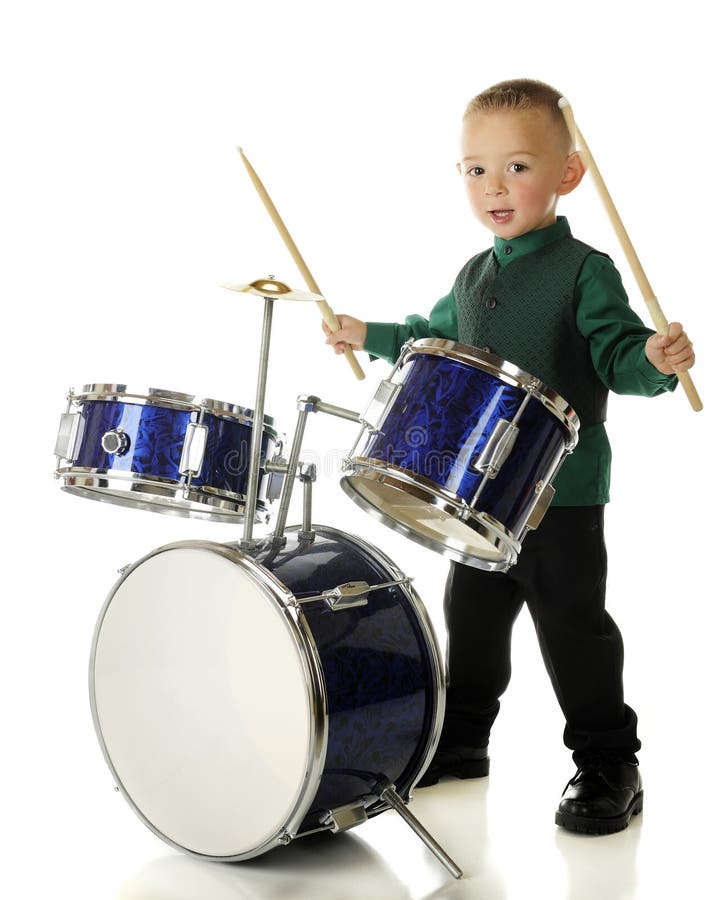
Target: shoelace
pixel 594 763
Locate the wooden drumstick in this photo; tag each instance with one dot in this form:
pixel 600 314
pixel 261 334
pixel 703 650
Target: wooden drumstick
pixel 658 318
pixel 327 313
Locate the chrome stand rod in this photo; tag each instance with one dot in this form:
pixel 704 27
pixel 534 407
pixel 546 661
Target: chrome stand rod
pixel 338 411
pixel 306 403
pixel 393 799
pixel 258 425
pixel 292 464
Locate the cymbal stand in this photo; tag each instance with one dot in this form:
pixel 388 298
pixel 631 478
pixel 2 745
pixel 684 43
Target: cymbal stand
pixel 270 290
pixel 258 424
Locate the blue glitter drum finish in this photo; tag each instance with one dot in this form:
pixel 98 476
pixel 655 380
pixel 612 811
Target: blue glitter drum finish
pixel 464 453
pixel 127 448
pixel 380 662
pixel 241 700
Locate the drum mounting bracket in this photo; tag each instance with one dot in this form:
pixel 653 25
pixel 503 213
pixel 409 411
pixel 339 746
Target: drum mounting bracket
pixel 343 817
pixel 352 593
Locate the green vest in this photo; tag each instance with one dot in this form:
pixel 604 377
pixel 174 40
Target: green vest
pixel 525 313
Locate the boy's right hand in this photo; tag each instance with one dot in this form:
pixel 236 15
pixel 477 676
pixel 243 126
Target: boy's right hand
pixel 352 334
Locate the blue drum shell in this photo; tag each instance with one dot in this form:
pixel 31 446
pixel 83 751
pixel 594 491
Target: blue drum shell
pixel 443 416
pixel 382 682
pixel 156 437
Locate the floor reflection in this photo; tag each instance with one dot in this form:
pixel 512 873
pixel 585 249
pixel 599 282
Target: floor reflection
pixel 341 865
pixel 603 866
pixel 384 859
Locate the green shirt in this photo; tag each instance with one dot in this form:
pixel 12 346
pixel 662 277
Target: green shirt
pixel 616 339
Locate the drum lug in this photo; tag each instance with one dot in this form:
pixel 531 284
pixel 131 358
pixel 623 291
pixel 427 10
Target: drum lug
pixel 374 413
pixel 497 449
pixel 193 451
pixel 343 817
pixel 68 434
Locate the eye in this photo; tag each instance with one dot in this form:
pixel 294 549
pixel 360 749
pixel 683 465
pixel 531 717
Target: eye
pixel 518 167
pixel 474 171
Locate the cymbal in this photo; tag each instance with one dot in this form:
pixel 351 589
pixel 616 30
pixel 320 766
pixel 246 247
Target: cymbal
pixel 271 289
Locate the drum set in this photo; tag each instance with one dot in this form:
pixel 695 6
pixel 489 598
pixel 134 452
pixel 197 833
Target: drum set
pixel 249 693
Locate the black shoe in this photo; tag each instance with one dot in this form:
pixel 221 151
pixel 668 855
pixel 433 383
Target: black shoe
pixel 460 762
pixel 601 797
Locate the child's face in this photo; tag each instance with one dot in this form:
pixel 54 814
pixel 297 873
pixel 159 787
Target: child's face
pixel 514 164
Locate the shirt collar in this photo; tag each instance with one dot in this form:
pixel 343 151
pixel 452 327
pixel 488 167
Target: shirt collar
pixel 507 251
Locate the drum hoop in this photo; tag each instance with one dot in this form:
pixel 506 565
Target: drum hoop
pixel 442 497
pixel 481 523
pixel 505 371
pixel 121 478
pixel 172 400
pixel 222 410
pixel 427 490
pixel 429 634
pixel 141 397
pixel 314 682
pixel 92 484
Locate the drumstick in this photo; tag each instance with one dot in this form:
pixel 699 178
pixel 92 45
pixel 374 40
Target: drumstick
pixel 658 318
pixel 327 313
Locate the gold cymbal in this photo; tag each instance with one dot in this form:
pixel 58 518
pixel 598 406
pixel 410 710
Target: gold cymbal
pixel 271 289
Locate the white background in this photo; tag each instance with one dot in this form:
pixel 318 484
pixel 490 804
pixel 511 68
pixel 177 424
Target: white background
pixel 125 205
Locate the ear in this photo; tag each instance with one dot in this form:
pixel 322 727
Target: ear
pixel 573 174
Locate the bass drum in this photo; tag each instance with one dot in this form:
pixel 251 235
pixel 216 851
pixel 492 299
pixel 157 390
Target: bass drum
pixel 243 699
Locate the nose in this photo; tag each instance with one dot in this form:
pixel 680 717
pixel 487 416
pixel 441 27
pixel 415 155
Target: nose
pixel 494 184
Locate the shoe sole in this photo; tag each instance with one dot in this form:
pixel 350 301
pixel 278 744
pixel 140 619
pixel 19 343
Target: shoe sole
pixel 478 769
pixel 586 825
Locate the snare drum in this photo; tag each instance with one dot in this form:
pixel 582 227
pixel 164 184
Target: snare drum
pixel 163 451
pixel 245 699
pixel 460 451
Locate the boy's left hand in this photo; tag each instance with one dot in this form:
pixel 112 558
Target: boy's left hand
pixel 671 352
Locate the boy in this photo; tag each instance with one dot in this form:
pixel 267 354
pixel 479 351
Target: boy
pixel 556 308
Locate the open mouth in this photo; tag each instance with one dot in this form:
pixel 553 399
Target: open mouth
pixel 500 216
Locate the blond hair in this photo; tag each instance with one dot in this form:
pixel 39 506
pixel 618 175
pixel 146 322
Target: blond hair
pixel 519 94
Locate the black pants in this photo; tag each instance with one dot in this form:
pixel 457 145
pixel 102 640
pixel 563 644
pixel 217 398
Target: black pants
pixel 560 574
